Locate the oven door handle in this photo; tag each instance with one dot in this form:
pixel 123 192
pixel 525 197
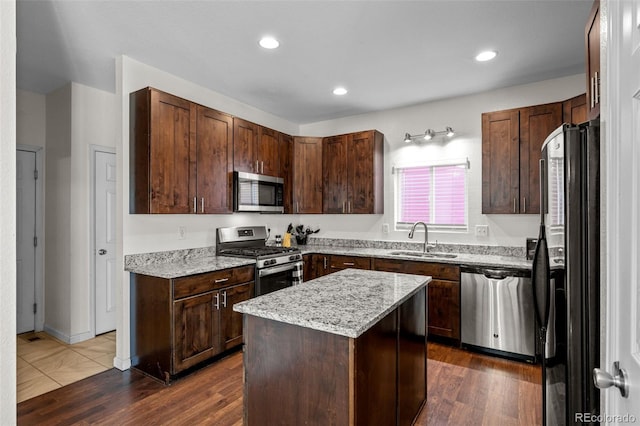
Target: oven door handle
pixel 277 269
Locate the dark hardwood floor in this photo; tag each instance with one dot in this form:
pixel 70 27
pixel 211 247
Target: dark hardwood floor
pixel 464 388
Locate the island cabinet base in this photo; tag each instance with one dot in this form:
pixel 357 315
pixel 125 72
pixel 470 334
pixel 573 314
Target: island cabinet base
pixel 296 375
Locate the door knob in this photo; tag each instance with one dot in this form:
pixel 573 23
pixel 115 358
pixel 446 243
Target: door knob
pixel 604 380
pixel 102 251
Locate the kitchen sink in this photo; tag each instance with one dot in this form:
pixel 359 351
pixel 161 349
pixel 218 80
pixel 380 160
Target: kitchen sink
pixel 422 254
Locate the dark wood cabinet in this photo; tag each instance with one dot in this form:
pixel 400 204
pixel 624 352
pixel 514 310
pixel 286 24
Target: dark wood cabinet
pixel 338 262
pixel 214 161
pixel 256 149
pixel 307 175
pixel 353 173
pixel 182 322
pixel 286 170
pixel 180 155
pixel 511 143
pixel 443 291
pixel 574 110
pixel 592 60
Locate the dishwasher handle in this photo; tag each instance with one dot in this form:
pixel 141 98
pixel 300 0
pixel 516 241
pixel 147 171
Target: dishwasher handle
pixel 496 274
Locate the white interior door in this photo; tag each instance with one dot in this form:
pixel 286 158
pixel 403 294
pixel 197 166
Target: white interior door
pixel 622 119
pixel 25 246
pixel 105 241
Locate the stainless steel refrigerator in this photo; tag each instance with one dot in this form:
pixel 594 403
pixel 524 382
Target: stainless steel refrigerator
pixel 568 249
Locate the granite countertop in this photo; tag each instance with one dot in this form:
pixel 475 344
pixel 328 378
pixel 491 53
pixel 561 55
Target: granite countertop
pixel 461 259
pixel 346 303
pixel 187 266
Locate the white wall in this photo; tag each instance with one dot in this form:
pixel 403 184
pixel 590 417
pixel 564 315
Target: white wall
pixel 58 213
pixel 8 212
pixel 77 117
pixel 31 118
pixel 464 115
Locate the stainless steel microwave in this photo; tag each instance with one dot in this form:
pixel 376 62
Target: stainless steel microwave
pixel 257 193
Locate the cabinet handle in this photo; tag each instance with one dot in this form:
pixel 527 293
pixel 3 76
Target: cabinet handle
pixel 514 205
pixel 344 207
pixel 297 207
pixel 325 262
pixel 592 92
pixel 349 207
pixel 202 205
pixel 195 201
pixel 221 280
pixel 262 167
pixel 348 263
pixel 524 204
pixel 217 304
pixel 224 299
pixel 596 85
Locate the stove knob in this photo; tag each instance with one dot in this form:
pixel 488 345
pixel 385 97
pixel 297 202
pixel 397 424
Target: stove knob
pixel 292 258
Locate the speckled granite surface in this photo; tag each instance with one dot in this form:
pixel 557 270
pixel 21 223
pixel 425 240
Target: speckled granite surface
pixel 461 259
pixel 171 265
pixel 346 303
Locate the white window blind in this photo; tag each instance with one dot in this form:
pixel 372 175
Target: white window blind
pixel 556 192
pixel 434 194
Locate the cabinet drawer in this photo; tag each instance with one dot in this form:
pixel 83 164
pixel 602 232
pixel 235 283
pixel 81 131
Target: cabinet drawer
pixel 436 270
pixel 196 284
pixel 344 262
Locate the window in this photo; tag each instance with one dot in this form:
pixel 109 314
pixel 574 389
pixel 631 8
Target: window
pixel 434 194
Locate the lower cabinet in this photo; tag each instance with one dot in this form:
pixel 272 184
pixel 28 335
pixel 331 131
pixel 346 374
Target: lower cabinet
pixel 443 292
pixel 179 323
pixel 323 264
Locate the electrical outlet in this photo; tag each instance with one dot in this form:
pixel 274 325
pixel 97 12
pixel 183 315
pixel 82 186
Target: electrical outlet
pixel 385 228
pixel 182 232
pixel 482 230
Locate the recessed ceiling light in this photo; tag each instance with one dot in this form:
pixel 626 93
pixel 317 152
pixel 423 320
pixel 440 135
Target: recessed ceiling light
pixel 269 42
pixel 339 91
pixel 487 55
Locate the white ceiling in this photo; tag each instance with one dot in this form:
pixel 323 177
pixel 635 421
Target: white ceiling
pixel 386 53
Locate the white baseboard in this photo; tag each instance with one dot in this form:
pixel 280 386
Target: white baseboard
pixel 70 340
pixel 122 363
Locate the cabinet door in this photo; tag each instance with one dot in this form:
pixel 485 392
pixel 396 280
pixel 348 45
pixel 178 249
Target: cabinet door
pixel 214 140
pixel 230 321
pixel 321 265
pixel 444 308
pixel 365 173
pixel 334 174
pixel 286 172
pixel 195 331
pixel 536 123
pixel 268 152
pixel 500 161
pixel 309 272
pixel 307 175
pixel 172 177
pixel 245 143
pixel 592 50
pixel 574 110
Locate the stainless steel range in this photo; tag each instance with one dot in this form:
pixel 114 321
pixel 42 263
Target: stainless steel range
pixel 276 267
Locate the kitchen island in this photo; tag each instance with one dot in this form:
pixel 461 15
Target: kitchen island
pixel 345 349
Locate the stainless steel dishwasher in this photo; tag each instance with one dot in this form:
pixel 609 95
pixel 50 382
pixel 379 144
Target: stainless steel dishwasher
pixel 497 312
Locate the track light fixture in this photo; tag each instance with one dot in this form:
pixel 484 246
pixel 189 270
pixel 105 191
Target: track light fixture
pixel 428 135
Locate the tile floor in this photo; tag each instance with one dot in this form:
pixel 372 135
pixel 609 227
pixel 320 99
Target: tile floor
pixel 45 363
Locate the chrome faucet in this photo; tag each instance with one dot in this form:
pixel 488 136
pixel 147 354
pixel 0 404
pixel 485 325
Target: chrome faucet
pixel 426 245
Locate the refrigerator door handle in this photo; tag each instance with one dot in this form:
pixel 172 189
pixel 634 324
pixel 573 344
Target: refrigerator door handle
pixel 540 272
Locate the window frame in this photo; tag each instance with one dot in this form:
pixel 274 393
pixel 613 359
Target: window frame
pixel 401 226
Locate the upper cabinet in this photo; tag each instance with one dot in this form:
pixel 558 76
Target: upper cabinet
pixel 286 170
pixel 307 175
pixel 574 110
pixel 592 50
pixel 511 143
pixel 256 149
pixel 352 172
pixel 180 155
